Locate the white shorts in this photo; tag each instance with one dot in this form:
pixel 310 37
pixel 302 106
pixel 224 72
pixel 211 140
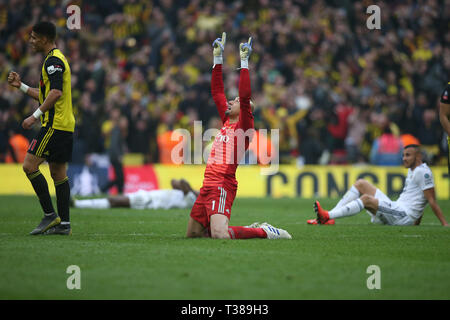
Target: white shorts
pixel 390 212
pixel 161 199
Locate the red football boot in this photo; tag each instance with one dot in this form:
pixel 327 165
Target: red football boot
pixel 322 215
pixel 314 221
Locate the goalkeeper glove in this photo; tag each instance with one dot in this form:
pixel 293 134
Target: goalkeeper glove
pixel 219 46
pixel 245 50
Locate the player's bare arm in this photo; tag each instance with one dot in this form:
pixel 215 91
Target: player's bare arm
pixel 444 114
pixel 444 109
pixel 49 103
pixel 431 197
pixel 15 81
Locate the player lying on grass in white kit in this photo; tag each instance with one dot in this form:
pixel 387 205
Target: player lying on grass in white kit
pixel 182 196
pixel 407 210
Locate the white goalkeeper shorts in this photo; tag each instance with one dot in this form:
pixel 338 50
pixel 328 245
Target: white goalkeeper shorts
pixel 390 212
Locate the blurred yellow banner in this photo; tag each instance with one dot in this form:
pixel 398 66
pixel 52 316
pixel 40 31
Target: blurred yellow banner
pixel 14 181
pixel 307 181
pixel 289 181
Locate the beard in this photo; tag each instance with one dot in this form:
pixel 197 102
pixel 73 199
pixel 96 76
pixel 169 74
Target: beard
pixel 410 164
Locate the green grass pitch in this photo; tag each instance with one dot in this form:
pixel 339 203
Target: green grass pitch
pixel 131 254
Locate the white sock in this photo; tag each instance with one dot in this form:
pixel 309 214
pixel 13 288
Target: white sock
pixel 349 196
pixel 350 209
pixel 93 203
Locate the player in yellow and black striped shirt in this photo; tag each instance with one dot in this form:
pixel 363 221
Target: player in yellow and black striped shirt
pixel 55 138
pixel 444 117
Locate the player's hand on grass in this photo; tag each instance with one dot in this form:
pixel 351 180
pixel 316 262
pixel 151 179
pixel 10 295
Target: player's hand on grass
pixel 29 122
pixel 219 47
pixel 245 50
pixel 14 79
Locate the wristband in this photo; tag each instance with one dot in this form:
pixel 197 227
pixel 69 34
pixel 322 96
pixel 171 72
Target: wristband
pixel 244 64
pixel 23 87
pixel 218 60
pixel 38 113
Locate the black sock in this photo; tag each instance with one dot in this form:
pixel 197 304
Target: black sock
pixel 63 199
pixel 40 186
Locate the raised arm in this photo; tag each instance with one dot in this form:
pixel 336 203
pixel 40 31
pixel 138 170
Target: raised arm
pixel 444 114
pixel 245 92
pixel 217 87
pixel 431 197
pixel 444 109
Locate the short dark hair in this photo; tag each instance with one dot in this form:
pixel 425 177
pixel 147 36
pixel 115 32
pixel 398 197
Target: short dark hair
pixel 415 146
pixel 46 29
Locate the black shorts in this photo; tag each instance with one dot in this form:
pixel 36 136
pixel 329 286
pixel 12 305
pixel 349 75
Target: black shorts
pixel 53 145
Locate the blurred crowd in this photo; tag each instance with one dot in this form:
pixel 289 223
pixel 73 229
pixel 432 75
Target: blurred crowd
pixel 337 91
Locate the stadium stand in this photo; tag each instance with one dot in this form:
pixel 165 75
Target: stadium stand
pixel 321 76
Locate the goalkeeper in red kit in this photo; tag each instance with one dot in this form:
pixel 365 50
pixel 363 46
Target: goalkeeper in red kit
pixel 210 214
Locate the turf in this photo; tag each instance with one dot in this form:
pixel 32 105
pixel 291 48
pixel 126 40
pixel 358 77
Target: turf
pixel 130 254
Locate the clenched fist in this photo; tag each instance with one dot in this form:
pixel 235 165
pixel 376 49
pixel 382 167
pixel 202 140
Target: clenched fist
pixel 14 79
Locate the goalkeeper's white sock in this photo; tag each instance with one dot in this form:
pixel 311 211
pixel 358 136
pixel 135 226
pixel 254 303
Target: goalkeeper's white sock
pixel 350 209
pixel 93 203
pixel 349 196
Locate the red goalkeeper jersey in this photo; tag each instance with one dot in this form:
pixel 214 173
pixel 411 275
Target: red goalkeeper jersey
pixel 233 139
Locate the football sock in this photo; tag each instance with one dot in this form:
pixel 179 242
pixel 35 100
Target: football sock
pixel 349 209
pixel 93 203
pixel 349 196
pixel 40 186
pixel 246 233
pixel 62 189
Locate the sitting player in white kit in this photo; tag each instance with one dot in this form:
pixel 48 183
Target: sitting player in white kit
pixel 182 196
pixel 407 210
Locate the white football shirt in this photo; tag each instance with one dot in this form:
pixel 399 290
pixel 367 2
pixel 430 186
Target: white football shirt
pixel 169 199
pixel 161 199
pixel 412 197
